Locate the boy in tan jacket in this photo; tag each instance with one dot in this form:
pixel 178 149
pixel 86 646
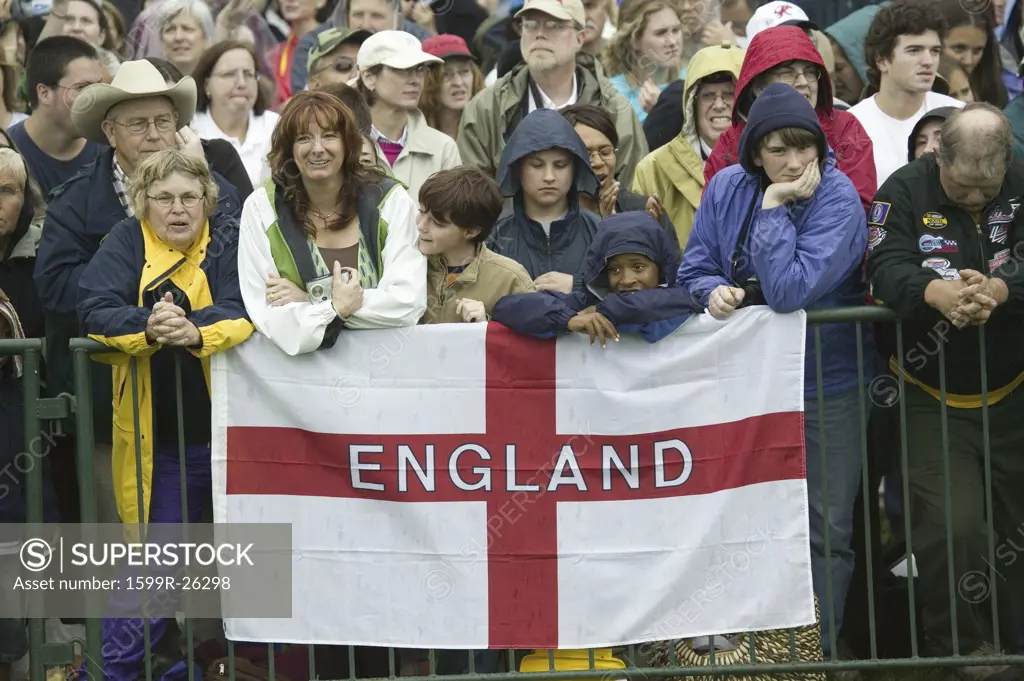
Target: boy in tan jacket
pixel 458 209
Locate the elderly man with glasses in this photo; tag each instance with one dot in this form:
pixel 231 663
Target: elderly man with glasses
pixel 137 115
pixel 555 74
pixel 784 54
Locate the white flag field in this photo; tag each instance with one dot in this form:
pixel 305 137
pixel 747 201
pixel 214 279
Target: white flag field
pixel 460 486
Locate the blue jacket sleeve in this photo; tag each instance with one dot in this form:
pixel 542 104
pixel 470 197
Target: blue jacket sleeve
pixel 796 267
pixel 645 307
pixel 655 331
pixel 64 251
pixel 109 310
pixel 543 314
pixel 702 271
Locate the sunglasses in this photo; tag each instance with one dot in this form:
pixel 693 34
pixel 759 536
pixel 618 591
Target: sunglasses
pixel 342 65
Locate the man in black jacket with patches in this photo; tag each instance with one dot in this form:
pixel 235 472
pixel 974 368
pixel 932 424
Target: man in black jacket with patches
pixel 946 245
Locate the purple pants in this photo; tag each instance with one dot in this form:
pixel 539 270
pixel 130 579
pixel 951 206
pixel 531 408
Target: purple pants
pixel 123 641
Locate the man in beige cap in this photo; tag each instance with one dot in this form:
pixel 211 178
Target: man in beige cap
pixel 137 114
pixel 556 74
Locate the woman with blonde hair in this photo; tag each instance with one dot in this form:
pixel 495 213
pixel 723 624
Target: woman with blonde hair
pixel 162 292
pixel 646 54
pixel 448 88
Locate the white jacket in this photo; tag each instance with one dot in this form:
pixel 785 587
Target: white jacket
pixel 400 298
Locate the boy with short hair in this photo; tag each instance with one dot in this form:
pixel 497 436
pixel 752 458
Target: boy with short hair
pixel 629 279
pixel 458 209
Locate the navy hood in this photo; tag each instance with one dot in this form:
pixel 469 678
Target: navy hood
pixel 631 232
pixel 940 113
pixel 779 106
pixel 542 130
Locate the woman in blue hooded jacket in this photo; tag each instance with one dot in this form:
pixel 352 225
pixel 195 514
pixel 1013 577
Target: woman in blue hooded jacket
pixel 648 302
pixel 544 168
pixel 787 229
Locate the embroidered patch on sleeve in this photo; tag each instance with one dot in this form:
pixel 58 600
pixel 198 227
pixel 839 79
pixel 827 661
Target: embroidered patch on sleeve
pixel 879 212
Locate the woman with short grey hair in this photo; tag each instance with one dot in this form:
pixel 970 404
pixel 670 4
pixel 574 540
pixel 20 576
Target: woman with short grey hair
pixel 186 29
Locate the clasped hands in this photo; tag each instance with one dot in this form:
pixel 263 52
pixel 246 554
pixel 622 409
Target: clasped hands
pixel 168 325
pixel 969 300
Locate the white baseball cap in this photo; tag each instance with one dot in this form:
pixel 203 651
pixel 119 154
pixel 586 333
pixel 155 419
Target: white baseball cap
pixel 777 13
pixel 397 49
pixel 566 10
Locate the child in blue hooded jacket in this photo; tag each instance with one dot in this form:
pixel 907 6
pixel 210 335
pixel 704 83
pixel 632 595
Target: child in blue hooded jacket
pixel 629 277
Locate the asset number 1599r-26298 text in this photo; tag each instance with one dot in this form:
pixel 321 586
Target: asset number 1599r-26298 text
pixel 166 583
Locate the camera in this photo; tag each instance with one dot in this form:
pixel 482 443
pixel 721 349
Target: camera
pixel 753 294
pixel 319 290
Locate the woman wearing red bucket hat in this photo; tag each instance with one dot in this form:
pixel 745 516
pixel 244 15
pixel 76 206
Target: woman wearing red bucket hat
pixel 448 89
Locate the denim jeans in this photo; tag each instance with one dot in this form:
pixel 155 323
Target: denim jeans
pixel 842 438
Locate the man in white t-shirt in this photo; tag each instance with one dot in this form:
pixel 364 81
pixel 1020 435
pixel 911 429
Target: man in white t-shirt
pixel 902 51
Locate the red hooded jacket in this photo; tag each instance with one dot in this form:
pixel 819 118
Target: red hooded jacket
pixel 846 136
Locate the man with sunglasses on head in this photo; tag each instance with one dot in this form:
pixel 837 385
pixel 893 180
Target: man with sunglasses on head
pixel 138 114
pixel 784 54
pixel 554 74
pixel 333 58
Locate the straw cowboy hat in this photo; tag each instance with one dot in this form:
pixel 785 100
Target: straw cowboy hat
pixel 134 80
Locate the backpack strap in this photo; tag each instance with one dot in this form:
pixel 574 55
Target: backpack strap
pixel 374 234
pixel 309 266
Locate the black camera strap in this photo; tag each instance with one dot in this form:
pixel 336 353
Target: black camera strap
pixel 741 242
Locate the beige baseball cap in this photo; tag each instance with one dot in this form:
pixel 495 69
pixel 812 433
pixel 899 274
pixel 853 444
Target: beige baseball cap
pixel 397 49
pixel 567 10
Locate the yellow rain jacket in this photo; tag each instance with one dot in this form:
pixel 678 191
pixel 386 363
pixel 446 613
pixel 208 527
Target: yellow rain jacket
pixel 675 172
pixel 118 289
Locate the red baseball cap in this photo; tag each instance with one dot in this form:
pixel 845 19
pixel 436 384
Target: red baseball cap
pixel 446 45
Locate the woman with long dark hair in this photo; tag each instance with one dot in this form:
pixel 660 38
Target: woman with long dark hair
pixel 971 41
pixel 327 243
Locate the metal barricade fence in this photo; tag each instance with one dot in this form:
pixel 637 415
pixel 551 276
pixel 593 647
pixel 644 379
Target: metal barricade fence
pixel 44 656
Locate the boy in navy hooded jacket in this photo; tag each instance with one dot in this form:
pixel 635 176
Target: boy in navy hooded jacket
pixel 544 168
pixel 629 285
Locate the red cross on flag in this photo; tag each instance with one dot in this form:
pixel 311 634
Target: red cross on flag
pixel 459 486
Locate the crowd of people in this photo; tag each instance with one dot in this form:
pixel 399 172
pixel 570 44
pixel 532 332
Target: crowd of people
pixel 177 176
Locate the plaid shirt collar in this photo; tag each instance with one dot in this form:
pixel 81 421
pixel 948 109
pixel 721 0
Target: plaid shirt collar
pixel 121 188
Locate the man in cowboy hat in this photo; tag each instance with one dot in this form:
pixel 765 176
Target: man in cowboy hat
pixel 137 114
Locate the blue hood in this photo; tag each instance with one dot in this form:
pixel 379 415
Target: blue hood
pixel 542 130
pixel 779 106
pixel 632 232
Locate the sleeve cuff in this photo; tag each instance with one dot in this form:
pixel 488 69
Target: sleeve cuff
pixel 562 317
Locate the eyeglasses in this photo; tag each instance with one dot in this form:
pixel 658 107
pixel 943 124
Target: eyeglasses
pixel 790 76
pixel 167 200
pixel 709 98
pixel 140 126
pixel 233 76
pixel 606 153
pixel 532 26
